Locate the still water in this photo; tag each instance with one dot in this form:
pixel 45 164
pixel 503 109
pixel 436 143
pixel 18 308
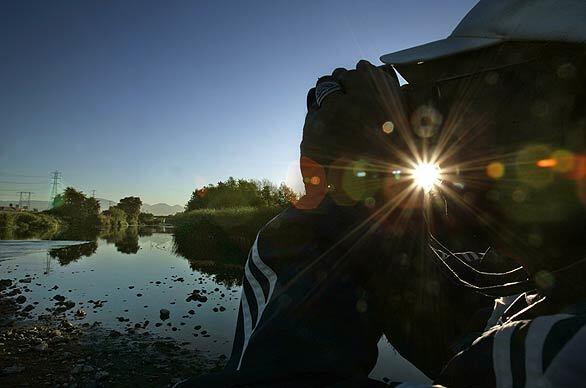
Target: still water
pixel 124 279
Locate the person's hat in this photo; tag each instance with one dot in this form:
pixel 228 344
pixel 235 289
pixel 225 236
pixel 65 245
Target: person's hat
pixel 495 21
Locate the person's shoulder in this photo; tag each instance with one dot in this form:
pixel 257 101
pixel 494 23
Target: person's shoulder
pixel 517 352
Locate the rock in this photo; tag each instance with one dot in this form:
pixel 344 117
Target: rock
pixel 41 347
pixel 101 375
pixel 14 292
pixel 131 287
pixel 21 299
pixel 222 308
pixel 191 312
pixel 59 298
pixel 25 280
pixel 12 369
pixel 88 368
pixel 68 304
pixel 197 297
pixel 164 314
pixel 80 313
pixel 215 309
pixel 28 308
pixel 139 295
pixel 55 287
pixel 115 334
pixel 56 333
pixel 197 327
pixel 5 283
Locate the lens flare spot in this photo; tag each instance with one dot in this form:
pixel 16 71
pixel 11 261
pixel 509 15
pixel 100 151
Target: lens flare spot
pixel 547 163
pixel 519 196
pixel 369 202
pixel 495 170
pixel 426 176
pixel 388 127
pixel 544 280
pixel 315 180
pixel 426 121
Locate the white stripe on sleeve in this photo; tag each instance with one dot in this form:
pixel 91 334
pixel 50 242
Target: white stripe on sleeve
pixel 501 356
pixel 534 341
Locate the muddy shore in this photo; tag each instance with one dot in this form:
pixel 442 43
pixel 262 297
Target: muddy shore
pixel 57 350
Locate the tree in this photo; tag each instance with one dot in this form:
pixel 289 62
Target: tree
pixel 131 206
pixel 116 216
pixel 240 193
pixel 76 208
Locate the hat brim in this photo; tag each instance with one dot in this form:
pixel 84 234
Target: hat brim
pixel 438 49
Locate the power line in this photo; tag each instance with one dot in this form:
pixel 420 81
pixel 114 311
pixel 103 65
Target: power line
pixel 10 174
pixel 24 183
pixel 25 196
pixel 57 176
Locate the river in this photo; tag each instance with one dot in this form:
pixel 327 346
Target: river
pixel 124 279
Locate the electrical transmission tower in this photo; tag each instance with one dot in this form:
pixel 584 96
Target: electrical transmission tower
pixel 57 176
pixel 25 197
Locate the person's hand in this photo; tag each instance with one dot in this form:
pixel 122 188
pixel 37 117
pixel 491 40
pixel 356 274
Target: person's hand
pixel 360 121
pixel 353 134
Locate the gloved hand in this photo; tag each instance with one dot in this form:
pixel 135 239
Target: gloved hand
pixel 355 134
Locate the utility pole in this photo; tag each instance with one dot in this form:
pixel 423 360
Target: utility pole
pixel 57 176
pixel 25 196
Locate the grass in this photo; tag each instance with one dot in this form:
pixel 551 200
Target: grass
pixel 27 225
pixel 219 234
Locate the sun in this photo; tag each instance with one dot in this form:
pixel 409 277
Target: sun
pixel 426 176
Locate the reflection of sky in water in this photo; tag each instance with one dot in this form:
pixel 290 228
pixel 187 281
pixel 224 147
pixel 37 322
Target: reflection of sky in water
pixel 107 275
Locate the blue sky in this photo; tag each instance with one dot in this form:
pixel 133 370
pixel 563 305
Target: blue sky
pixel 155 98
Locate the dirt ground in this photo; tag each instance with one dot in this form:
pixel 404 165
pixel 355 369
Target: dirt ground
pixel 56 352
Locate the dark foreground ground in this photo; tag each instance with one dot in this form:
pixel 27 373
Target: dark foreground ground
pixel 53 351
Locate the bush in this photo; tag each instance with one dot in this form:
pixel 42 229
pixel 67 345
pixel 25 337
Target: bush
pixel 225 234
pixel 26 224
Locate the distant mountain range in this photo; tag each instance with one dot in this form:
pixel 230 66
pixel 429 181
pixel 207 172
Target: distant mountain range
pixel 161 209
pixel 158 209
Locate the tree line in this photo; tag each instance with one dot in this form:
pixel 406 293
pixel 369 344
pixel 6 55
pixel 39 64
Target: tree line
pixel 235 193
pixel 77 209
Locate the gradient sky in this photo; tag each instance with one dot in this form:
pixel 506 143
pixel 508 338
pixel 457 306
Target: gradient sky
pixel 155 98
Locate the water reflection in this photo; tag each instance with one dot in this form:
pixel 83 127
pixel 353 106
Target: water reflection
pixel 212 253
pixel 73 253
pixel 125 239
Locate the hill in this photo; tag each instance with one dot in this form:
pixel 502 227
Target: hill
pixel 161 209
pixel 158 209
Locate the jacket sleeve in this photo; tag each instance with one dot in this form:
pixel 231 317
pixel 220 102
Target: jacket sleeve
pixel 302 310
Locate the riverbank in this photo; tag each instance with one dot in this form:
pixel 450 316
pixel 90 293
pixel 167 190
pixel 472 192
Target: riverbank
pixel 56 352
pixel 63 347
pixel 18 225
pixel 220 233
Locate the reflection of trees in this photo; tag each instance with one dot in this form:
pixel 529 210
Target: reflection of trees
pixel 125 239
pixel 72 253
pixel 210 250
pixel 77 234
pixel 129 242
pixel 145 231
